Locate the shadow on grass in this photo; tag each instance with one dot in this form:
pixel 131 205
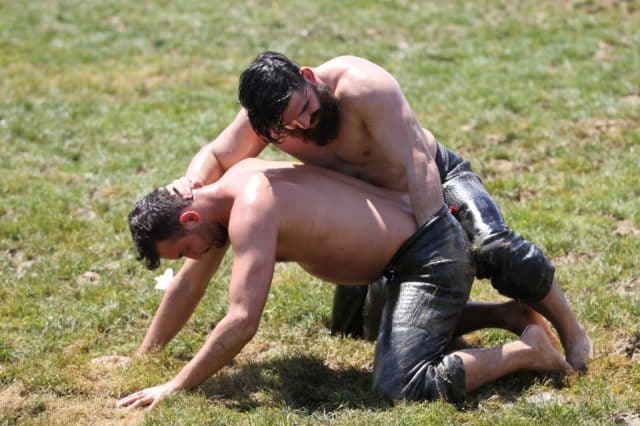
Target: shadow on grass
pixel 304 382
pixel 506 389
pixel 300 382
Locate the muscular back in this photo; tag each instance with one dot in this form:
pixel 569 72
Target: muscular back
pixel 336 227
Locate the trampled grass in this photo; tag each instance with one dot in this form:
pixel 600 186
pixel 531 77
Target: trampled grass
pixel 102 101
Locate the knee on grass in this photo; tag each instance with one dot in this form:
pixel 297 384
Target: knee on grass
pixel 423 381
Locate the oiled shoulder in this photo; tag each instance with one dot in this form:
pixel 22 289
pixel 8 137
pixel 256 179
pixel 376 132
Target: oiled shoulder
pixel 363 80
pixel 253 203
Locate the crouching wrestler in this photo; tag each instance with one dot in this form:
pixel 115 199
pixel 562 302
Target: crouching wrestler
pixel 342 230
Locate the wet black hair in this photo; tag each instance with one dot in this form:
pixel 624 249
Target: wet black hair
pixel 264 91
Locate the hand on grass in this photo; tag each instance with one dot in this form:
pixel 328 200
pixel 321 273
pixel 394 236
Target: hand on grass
pixel 147 397
pixel 183 186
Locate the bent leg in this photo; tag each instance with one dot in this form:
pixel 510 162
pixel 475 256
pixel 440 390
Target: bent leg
pixel 409 362
pixel 347 316
pixel 512 316
pixel 517 268
pixel 428 287
pixel 577 345
pixel 533 351
pixel 417 327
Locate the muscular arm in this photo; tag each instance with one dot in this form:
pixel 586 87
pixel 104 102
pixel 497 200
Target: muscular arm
pixel 252 233
pixel 181 299
pixel 236 142
pixel 395 129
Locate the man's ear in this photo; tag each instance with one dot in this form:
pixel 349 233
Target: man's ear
pixel 308 74
pixel 189 219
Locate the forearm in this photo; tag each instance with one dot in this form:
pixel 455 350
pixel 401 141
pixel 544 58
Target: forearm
pixel 423 179
pixel 251 275
pixel 181 299
pixel 205 167
pixel 173 313
pixel 425 193
pixel 253 238
pixel 235 143
pixel 222 345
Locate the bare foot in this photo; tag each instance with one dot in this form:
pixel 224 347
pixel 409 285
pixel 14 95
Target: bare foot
pixel 519 316
pixel 577 346
pixel 578 350
pixel 547 357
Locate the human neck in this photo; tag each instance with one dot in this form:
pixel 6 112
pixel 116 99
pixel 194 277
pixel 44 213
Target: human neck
pixel 327 76
pixel 213 202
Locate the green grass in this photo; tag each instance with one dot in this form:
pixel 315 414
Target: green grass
pixel 102 101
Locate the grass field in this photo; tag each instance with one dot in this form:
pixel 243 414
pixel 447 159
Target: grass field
pixel 102 101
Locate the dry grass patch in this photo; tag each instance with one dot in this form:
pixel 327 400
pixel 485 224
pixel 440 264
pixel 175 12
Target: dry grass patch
pixel 21 406
pixel 89 412
pixel 629 418
pixel 596 6
pixel 19 261
pixel 628 346
pixel 625 228
pixel 591 127
pixel 577 257
pixel 627 288
pixel 632 100
pixel 13 400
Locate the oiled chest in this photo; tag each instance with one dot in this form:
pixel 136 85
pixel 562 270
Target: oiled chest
pixel 353 153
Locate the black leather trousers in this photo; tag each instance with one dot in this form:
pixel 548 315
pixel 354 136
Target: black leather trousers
pixel 516 268
pixel 427 286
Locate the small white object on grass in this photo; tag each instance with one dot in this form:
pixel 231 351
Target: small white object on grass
pixel 163 281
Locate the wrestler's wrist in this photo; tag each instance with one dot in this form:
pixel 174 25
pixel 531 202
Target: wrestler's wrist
pixel 194 181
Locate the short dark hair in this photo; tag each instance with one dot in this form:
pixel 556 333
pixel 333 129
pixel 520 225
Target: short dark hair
pixel 155 218
pixel 265 89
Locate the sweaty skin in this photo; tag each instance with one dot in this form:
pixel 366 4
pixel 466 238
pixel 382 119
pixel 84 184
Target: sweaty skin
pixel 306 225
pixel 345 231
pixel 271 216
pixel 379 139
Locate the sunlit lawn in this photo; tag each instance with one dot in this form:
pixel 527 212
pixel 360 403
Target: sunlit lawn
pixel 102 101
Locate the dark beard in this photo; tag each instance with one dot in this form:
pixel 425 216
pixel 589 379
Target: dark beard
pixel 328 118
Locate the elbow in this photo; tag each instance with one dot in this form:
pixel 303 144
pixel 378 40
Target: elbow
pixel 221 167
pixel 245 324
pixel 250 328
